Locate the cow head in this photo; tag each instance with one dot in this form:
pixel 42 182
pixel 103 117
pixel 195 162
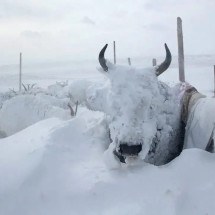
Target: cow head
pixel 138 106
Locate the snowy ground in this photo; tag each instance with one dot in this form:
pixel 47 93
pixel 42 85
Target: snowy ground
pixel 57 166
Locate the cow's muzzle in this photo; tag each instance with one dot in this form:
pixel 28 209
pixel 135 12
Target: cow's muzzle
pixel 130 150
pixel 126 150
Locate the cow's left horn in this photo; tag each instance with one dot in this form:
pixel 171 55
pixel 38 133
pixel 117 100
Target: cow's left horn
pixel 102 60
pixel 165 65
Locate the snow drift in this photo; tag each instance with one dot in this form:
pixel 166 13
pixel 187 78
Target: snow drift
pixel 18 110
pixel 58 170
pixel 55 166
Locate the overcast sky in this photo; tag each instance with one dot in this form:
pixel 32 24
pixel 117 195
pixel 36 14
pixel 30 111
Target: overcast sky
pixel 77 29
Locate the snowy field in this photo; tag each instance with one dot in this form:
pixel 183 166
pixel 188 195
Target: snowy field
pixel 52 163
pixel 199 72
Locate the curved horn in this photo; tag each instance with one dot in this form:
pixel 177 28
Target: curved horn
pixel 165 65
pixel 102 60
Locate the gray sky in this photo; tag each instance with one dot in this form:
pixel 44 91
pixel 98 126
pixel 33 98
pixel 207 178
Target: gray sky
pixel 77 29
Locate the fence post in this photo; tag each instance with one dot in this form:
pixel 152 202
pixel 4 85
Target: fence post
pixel 20 71
pixel 154 62
pixel 76 108
pixel 180 50
pixel 129 61
pixel 114 51
pixel 214 80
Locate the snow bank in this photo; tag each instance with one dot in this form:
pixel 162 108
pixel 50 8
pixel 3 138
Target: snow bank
pixel 57 167
pixel 18 110
pixel 59 170
pixel 77 90
pixel 24 110
pixel 21 153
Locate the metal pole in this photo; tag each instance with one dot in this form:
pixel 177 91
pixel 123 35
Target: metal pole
pixel 20 71
pixel 154 62
pixel 129 61
pixel 180 50
pixel 114 51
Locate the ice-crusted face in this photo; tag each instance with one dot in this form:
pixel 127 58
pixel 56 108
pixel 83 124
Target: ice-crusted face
pixel 140 107
pixel 134 100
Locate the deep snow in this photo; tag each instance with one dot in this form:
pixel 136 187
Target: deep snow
pixel 59 170
pixel 61 166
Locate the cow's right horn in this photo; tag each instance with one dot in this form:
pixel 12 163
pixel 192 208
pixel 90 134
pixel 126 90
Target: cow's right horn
pixel 165 65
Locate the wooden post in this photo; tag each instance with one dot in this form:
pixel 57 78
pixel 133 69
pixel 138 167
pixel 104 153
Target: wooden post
pixel 20 71
pixel 154 62
pixel 76 108
pixel 180 50
pixel 214 80
pixel 129 61
pixel 114 51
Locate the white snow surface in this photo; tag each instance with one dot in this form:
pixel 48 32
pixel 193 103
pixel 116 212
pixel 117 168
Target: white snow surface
pixel 59 170
pixel 28 107
pixel 52 163
pixel 25 110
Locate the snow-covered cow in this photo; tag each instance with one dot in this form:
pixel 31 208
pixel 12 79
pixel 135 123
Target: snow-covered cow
pixel 143 113
pixel 146 117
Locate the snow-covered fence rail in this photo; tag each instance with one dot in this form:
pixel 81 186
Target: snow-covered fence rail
pixel 180 50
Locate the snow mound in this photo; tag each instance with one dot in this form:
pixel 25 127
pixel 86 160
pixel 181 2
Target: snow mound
pixel 59 169
pixel 34 104
pixel 24 110
pixel 21 153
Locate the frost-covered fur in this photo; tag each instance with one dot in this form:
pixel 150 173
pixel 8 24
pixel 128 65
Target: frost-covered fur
pixel 141 110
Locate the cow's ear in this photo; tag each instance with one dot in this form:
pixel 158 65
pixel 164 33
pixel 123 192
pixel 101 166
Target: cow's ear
pixel 102 59
pixel 165 65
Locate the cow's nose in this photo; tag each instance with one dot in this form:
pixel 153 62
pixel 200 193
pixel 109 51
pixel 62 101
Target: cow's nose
pixel 126 149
